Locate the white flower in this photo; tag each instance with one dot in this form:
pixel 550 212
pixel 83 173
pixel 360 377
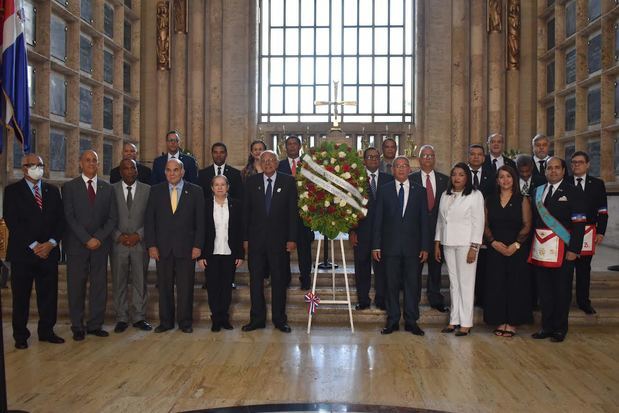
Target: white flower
pixel 325 162
pixel 336 200
pixel 346 175
pixel 342 203
pixel 305 208
pixel 333 160
pixel 327 203
pixel 349 211
pixel 300 183
pixel 279 189
pixel 324 153
pixel 333 223
pixel 337 168
pixel 353 166
pixel 341 154
pixel 361 190
pixel 305 194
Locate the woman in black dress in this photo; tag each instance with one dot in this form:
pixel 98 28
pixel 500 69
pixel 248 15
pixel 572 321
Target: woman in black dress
pixel 508 223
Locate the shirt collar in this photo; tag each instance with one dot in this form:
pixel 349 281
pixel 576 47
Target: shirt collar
pixel 498 158
pixel 132 186
pixel 179 185
pixel 584 177
pixel 397 183
pixel 86 179
pixel 222 166
pixel 370 173
pixel 555 186
pixel 540 159
pixel 273 178
pixel 424 174
pixel 176 155
pixel 31 185
pixel 471 168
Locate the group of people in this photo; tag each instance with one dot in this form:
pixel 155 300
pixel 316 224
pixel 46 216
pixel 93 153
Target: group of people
pixel 486 219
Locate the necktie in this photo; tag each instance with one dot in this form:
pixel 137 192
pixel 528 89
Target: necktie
pixel 294 167
pixel 91 192
pixel 579 184
pixel 548 196
pixel 475 180
pixel 268 196
pixel 373 184
pixel 525 188
pixel 174 199
pixel 401 198
pixel 542 167
pixel 173 157
pixel 219 170
pixel 37 197
pixel 129 198
pixel 429 192
pixel 494 161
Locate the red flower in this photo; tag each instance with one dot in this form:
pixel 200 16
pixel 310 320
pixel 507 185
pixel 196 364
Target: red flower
pixel 346 168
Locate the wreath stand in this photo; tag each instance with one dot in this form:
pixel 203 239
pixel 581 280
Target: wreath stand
pixel 332 301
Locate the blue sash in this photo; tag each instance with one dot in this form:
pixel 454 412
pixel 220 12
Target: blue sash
pixel 550 221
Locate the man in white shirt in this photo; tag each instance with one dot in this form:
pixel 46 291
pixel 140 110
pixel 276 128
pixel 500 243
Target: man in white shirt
pixel 495 159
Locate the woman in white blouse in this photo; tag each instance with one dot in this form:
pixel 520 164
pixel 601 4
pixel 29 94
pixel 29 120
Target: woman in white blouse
pixel 459 231
pixel 223 250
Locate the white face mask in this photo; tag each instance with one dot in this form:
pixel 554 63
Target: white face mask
pixel 35 172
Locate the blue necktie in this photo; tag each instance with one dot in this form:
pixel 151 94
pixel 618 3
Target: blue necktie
pixel 267 196
pixel 401 199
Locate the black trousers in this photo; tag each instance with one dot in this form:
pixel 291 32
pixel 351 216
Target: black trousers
pixel 555 294
pixel 363 277
pixel 182 272
pixel 402 271
pixel 219 272
pixel 480 277
pixel 433 283
pixel 87 269
pixel 304 254
pixel 44 273
pixel 260 262
pixel 583 279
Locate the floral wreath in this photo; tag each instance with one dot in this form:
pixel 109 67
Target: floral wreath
pixel 332 189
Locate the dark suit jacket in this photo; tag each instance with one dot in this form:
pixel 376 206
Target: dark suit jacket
pixel 536 172
pixel 191 170
pixel 596 203
pixel 175 233
pixel 395 235
pixel 28 223
pixel 270 232
pixel 144 174
pixel 564 211
pixel 487 181
pixel 506 161
pixel 442 181
pixel 364 229
pixel 85 221
pixel 205 176
pixel 235 228
pixel 284 166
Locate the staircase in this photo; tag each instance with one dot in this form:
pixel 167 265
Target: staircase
pixel 604 297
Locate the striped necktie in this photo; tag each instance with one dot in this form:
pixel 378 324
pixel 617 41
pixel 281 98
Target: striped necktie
pixel 37 197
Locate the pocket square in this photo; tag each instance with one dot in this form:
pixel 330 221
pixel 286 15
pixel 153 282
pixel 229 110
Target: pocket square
pixel 563 199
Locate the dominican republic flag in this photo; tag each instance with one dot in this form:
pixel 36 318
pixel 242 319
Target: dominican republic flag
pixel 14 100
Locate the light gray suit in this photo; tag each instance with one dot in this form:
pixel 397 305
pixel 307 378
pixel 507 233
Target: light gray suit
pixel 85 221
pixel 128 263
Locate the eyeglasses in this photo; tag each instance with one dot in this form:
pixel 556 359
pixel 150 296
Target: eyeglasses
pixel 427 156
pixel 372 157
pixel 30 165
pixel 401 166
pixel 172 140
pixel 578 162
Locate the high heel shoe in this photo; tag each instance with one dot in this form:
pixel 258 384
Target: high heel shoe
pixel 461 333
pixel 448 329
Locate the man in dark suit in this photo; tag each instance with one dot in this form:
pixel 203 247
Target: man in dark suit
pixel 361 238
pixel 594 192
pixel 34 216
pixel 130 151
pixel 174 236
pixel 219 152
pixel 563 202
pixel 173 140
pixel 484 180
pixel 304 234
pixel 541 147
pixel 270 222
pixel 91 216
pixel 390 150
pixel 434 183
pixel 495 159
pixel 401 237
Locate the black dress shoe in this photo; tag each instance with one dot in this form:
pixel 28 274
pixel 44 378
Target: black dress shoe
pixel 441 308
pixel 52 338
pixel 143 325
pixel 362 306
pixel 540 335
pixel 306 285
pixel 253 326
pixel 79 335
pixel 461 333
pixel 284 328
pixel 162 329
pixel 226 325
pixel 21 344
pixel 215 328
pixel 204 286
pixel 414 328
pixel 187 330
pixel 380 305
pixel 98 332
pixel 120 327
pixel 588 309
pixel 557 337
pixel 390 329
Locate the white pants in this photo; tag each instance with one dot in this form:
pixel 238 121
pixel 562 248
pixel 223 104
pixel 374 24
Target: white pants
pixel 461 285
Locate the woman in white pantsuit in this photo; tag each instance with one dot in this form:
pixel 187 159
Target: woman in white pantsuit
pixel 459 231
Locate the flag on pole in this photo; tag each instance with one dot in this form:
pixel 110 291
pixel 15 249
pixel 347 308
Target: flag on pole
pixel 14 99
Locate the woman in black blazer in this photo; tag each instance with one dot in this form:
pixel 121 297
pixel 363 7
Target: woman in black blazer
pixel 223 250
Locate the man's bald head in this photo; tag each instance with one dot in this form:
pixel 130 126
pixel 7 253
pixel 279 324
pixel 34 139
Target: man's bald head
pixel 89 162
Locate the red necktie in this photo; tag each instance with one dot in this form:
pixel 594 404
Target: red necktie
pixel 429 193
pixel 91 192
pixel 37 197
pixel 294 167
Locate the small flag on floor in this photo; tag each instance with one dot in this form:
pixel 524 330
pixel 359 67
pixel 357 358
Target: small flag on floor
pixel 313 301
pixel 14 100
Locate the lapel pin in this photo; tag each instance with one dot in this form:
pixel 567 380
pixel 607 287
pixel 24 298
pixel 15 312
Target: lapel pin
pixel 279 189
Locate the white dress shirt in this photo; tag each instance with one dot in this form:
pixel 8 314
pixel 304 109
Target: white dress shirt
pixel 406 187
pixel 297 159
pixel 125 192
pixel 536 161
pixel 273 178
pixel 176 155
pixel 424 176
pixel 221 216
pixel 583 183
pixel 222 166
pixel 528 182
pixel 554 189
pixel 499 160
pixel 94 182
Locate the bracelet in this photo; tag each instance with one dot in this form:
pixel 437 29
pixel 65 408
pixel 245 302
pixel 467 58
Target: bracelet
pixel 475 247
